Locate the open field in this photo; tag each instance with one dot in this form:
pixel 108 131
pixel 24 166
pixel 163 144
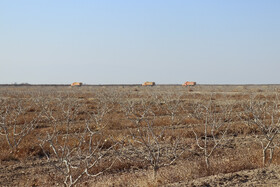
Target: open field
pixel 169 135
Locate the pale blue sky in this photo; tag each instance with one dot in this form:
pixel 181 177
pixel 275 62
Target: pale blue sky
pixel 132 41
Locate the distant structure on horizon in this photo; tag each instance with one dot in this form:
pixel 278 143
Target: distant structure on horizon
pixel 188 83
pixel 148 83
pixel 76 84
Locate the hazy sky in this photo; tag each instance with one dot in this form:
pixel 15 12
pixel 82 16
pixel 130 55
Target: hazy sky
pixel 132 41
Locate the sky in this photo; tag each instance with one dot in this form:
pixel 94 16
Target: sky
pixel 133 41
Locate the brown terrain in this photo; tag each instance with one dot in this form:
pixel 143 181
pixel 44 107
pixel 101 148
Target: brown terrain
pixel 203 135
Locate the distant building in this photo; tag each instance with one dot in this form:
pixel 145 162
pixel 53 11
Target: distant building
pixel 189 83
pixel 148 84
pixel 76 84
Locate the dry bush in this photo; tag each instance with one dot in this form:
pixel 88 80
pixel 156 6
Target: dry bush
pixel 76 150
pixel 147 140
pixel 264 114
pixel 16 122
pixel 77 155
pixel 215 127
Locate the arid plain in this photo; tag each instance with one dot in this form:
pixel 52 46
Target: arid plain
pixel 164 135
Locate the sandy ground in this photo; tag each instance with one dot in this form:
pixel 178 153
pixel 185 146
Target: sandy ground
pixel 269 176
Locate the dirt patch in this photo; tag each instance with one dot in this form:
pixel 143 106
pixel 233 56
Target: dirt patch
pixel 269 176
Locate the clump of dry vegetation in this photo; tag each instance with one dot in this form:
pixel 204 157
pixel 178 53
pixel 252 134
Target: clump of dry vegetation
pixel 128 136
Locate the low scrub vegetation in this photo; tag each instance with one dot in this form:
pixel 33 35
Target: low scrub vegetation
pixel 127 136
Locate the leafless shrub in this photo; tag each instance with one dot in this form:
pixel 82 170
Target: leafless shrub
pixel 173 105
pixel 102 106
pixel 265 115
pixel 75 150
pixel 215 127
pixel 16 122
pixel 146 141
